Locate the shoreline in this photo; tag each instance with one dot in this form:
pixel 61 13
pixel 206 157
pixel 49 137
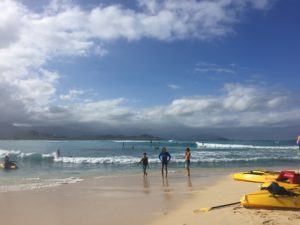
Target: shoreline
pixel 132 200
pixel 106 200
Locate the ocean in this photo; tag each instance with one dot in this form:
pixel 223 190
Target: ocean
pixel 38 168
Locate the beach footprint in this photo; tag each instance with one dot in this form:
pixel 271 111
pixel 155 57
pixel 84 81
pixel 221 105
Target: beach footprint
pixel 269 222
pixel 294 217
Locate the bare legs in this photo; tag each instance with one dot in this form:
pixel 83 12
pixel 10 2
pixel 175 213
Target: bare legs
pixel 188 171
pixel 164 166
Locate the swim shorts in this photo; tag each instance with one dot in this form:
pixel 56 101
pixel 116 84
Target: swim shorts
pixel 187 163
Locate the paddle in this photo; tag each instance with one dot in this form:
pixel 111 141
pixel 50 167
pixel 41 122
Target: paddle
pixel 214 207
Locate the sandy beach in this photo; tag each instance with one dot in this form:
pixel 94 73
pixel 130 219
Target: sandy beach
pixel 224 192
pixel 130 199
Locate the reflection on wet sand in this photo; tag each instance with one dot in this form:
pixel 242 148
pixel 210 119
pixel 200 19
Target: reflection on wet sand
pixel 146 183
pixel 166 189
pixel 189 182
pixel 165 182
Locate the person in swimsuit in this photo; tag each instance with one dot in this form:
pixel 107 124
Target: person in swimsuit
pixel 57 153
pixel 187 160
pixel 145 163
pixel 164 157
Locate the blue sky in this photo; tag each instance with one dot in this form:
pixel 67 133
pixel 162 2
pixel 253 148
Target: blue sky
pixel 165 67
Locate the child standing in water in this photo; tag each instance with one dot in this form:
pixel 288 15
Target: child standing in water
pixel 145 163
pixel 187 160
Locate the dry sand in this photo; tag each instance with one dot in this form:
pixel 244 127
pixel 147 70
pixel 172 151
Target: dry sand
pixel 224 192
pixel 133 200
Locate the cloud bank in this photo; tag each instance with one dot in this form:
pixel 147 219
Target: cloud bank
pixel 29 40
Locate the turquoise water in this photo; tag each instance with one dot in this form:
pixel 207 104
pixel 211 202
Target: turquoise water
pixel 37 164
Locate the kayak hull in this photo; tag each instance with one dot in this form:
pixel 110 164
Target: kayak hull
pixel 265 200
pixel 257 176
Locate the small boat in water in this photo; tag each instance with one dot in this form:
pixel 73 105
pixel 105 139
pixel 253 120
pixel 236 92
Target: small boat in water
pixel 12 165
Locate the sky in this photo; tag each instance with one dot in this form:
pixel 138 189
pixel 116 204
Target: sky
pixel 163 67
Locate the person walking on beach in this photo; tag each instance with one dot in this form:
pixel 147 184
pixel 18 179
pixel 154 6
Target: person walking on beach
pixel 164 157
pixel 187 160
pixel 298 141
pixel 145 163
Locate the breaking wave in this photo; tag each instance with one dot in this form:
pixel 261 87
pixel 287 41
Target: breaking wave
pixel 198 156
pixel 202 145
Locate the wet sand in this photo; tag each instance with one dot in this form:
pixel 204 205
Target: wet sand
pixel 125 199
pixel 130 199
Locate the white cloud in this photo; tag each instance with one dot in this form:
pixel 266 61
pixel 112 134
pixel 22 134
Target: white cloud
pixel 173 86
pixel 238 106
pixel 212 68
pixel 29 40
pixel 261 4
pixel 10 15
pixel 73 93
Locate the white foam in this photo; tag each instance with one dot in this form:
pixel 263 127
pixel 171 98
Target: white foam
pixel 197 156
pixel 31 178
pixel 51 155
pixel 19 154
pixel 99 160
pixel 3 152
pixel 239 146
pixel 47 183
pixel 134 141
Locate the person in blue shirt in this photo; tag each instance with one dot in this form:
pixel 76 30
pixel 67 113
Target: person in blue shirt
pixel 164 157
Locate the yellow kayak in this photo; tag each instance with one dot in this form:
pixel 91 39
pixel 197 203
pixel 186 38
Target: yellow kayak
pixel 11 166
pixel 258 176
pixel 264 199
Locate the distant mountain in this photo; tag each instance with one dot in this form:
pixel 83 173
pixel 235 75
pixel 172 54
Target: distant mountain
pixel 9 131
pixel 117 137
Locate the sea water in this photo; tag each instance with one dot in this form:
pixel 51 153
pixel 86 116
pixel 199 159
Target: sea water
pixel 38 166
